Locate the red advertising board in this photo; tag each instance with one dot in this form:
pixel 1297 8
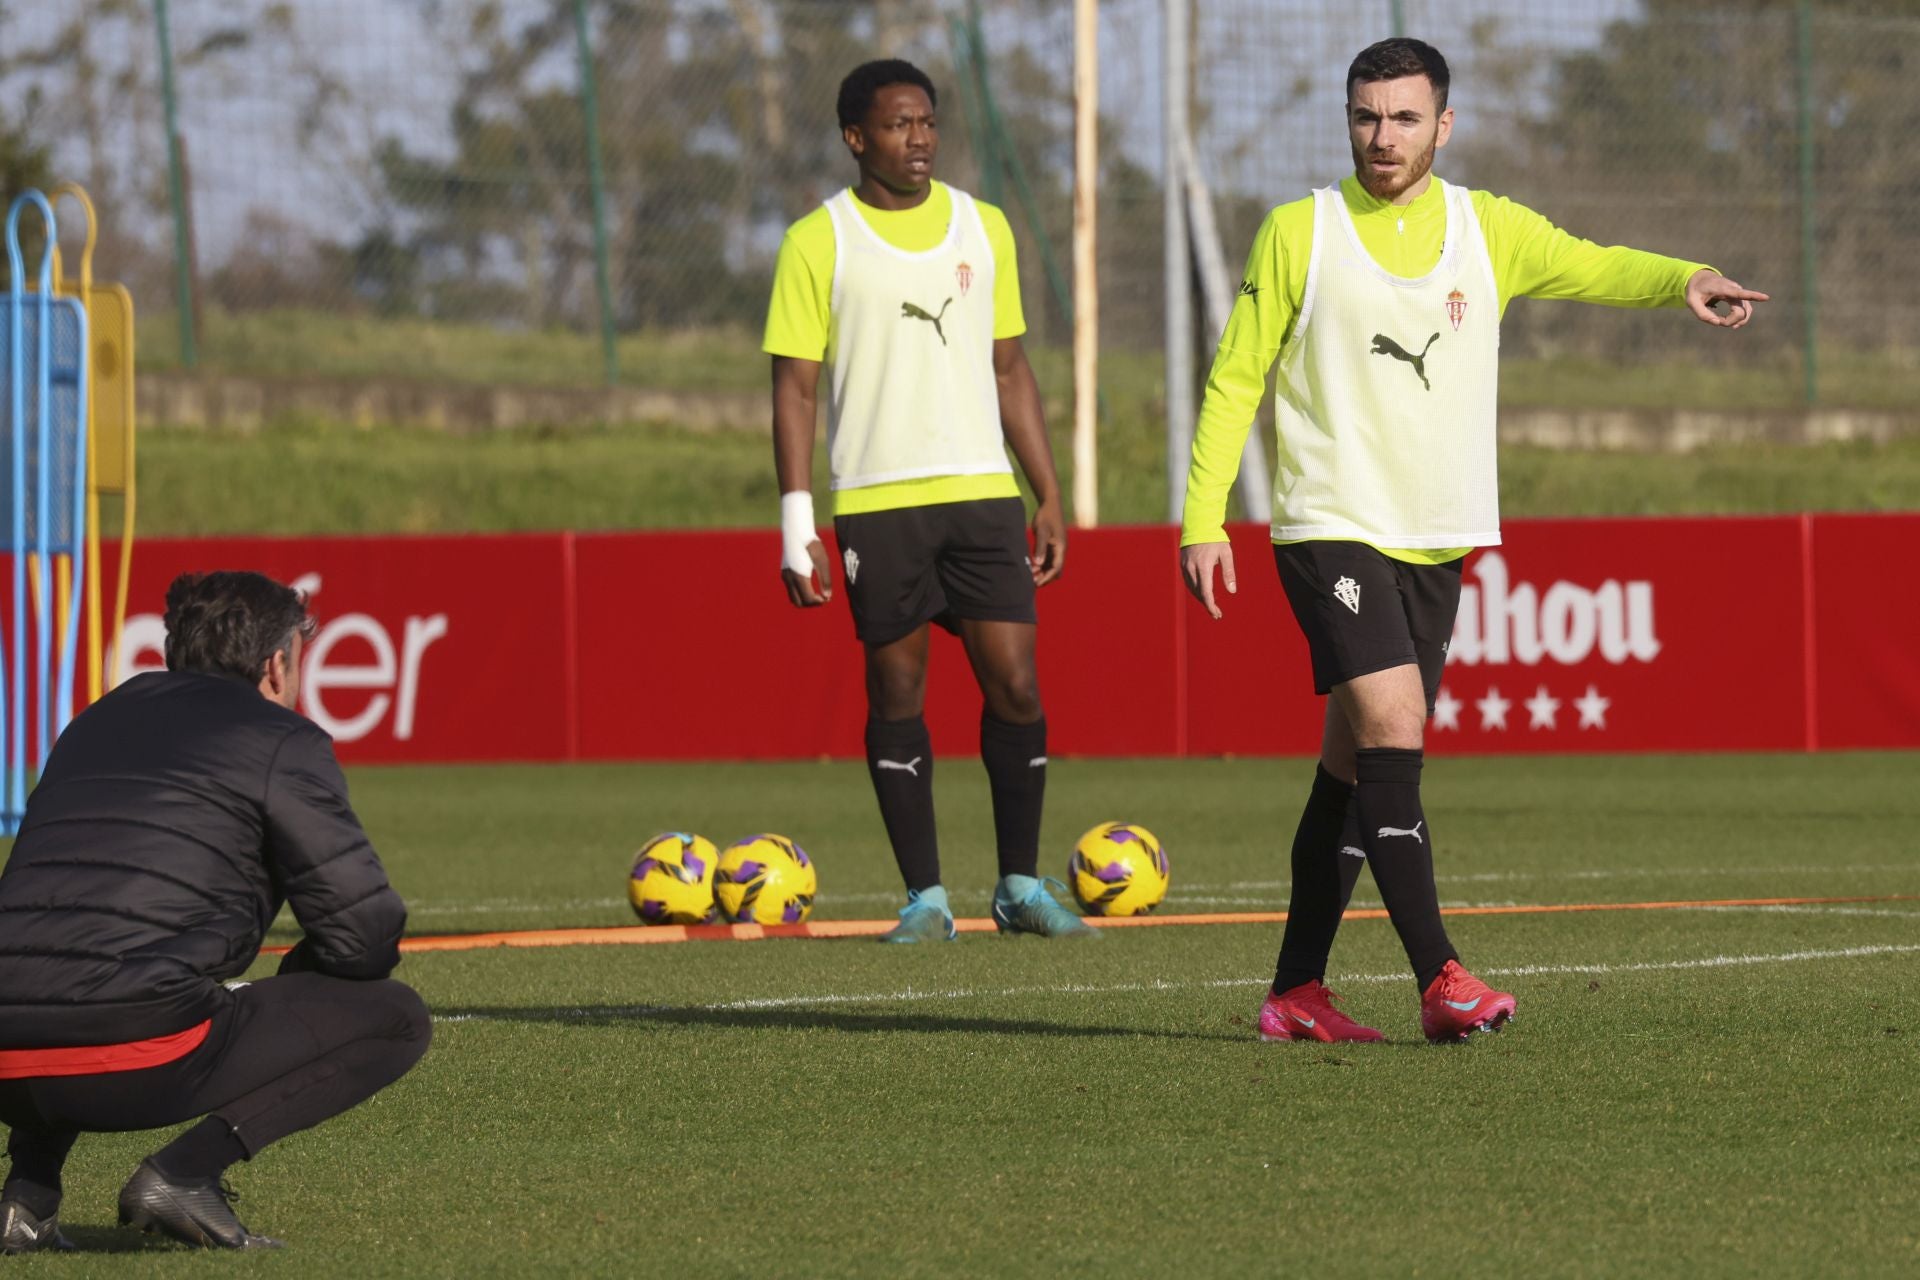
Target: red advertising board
pixel 688 649
pixel 1629 635
pixel 1249 681
pixel 1574 636
pixel 429 648
pixel 1866 669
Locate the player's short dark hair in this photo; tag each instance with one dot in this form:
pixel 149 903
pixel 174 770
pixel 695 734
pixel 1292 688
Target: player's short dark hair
pixel 1397 58
pixel 231 623
pixel 869 78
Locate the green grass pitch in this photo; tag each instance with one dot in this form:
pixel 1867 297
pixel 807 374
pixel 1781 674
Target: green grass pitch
pixel 1711 1092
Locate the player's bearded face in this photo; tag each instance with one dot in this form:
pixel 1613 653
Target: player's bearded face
pixel 1394 129
pixel 897 141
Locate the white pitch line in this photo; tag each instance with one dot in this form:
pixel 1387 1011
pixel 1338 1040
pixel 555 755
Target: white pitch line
pixel 1634 873
pixel 1194 892
pixel 1792 910
pixel 909 995
pixel 479 906
pixel 1709 962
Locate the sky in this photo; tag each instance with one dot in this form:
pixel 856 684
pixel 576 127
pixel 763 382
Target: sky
pixel 1267 81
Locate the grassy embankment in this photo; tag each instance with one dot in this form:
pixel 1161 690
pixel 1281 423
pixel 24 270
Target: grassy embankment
pixel 322 477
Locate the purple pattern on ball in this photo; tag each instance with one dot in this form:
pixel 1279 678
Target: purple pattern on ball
pixel 748 871
pixel 1122 835
pixel 1114 873
pixel 790 914
pixel 644 867
pixel 695 863
pixel 651 910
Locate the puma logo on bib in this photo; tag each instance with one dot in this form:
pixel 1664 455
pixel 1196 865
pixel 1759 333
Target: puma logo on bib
pixel 1385 346
pixel 910 312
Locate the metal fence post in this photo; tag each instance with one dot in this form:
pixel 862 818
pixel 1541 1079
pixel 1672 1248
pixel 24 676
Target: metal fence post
pixel 1809 213
pixel 993 165
pixel 597 179
pixel 176 192
pixel 1176 265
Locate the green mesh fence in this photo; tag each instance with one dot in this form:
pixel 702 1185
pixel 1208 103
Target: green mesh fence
pixel 427 161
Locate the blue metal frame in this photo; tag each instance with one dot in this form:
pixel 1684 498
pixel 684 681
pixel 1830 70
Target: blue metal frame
pixel 52 327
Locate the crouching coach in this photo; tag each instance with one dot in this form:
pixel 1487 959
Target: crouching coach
pixel 174 818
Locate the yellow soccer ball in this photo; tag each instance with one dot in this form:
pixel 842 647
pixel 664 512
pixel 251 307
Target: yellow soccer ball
pixel 672 879
pixel 1118 869
pixel 765 879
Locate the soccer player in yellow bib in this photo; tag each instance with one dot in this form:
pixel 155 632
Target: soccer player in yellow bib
pixel 905 291
pixel 1381 298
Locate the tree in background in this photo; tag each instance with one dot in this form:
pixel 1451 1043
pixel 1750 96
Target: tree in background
pixel 24 166
pixel 716 128
pixel 1679 133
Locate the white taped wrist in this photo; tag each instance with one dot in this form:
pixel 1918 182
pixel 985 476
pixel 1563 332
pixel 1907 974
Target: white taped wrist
pixel 797 532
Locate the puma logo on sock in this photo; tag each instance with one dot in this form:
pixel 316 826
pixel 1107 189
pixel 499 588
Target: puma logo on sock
pixel 908 767
pixel 1352 852
pixel 1038 762
pixel 1413 831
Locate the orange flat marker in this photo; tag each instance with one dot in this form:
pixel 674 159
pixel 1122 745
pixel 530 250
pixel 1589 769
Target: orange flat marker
pixel 640 935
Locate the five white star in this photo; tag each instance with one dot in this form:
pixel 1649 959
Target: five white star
pixel 1493 710
pixel 1542 709
pixel 1593 709
pixel 1446 710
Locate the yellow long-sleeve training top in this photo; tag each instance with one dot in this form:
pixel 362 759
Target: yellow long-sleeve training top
pixel 1531 258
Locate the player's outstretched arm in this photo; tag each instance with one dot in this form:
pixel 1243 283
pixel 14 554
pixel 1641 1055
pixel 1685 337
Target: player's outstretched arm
pixel 1197 563
pixel 1023 422
pixel 803 560
pixel 1719 301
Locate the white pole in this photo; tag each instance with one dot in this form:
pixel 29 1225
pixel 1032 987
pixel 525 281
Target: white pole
pixel 1178 281
pixel 1216 288
pixel 1086 277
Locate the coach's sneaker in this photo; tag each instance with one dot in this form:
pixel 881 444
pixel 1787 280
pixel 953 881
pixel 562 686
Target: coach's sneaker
pixel 1306 1012
pixel 1021 904
pixel 23 1231
pixel 1458 1004
pixel 200 1215
pixel 925 918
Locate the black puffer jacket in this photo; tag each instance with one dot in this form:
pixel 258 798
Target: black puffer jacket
pixel 174 817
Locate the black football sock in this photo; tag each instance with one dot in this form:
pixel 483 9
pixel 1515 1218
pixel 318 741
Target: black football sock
pixel 34 1178
pixel 1320 885
pixel 200 1155
pixel 900 761
pixel 1353 856
pixel 1016 760
pixel 1393 830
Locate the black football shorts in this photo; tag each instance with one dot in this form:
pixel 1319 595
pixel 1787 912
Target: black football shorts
pixel 941 563
pixel 1363 611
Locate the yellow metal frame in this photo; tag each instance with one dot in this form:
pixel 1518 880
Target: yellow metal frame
pixel 89 294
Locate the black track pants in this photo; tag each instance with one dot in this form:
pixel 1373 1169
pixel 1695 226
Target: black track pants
pixel 288 1053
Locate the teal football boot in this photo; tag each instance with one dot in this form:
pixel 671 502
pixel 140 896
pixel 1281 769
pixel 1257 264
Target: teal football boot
pixel 1021 904
pixel 925 918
